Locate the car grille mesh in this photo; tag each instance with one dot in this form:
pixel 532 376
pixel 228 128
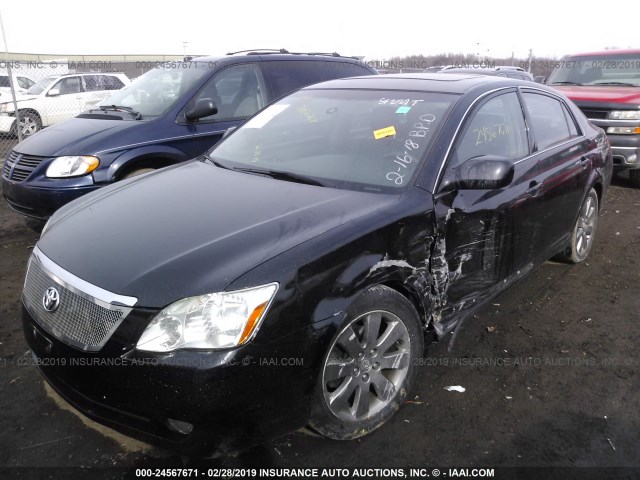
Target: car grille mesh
pixel 77 321
pixel 17 166
pixel 594 114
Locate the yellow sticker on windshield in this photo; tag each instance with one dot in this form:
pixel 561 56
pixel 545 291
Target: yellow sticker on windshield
pixel 384 132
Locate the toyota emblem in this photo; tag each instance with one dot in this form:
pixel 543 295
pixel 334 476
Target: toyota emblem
pixel 51 299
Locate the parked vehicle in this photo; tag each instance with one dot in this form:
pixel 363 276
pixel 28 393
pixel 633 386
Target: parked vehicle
pixel 21 84
pixel 288 276
pixel 606 87
pixel 169 115
pixel 56 98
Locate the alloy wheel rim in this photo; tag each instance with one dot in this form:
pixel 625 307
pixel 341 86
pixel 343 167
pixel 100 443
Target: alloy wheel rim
pixel 29 126
pixel 586 226
pixel 366 366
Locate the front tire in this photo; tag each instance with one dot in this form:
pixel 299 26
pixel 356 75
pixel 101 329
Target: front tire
pixel 137 171
pixel 634 178
pixel 30 123
pixel 369 365
pixel 584 230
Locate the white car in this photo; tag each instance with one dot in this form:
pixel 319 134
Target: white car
pixel 56 98
pixel 20 83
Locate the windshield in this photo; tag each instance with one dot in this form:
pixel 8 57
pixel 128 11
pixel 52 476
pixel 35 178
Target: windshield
pixel 157 90
pixel 603 70
pixel 40 86
pixel 355 139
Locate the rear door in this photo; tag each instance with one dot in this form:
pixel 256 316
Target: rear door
pixel 98 87
pixel 564 166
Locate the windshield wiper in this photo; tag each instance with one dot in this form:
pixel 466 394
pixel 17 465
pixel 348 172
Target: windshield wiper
pixel 288 176
pixel 216 162
pixel 623 84
pixel 565 83
pixel 118 108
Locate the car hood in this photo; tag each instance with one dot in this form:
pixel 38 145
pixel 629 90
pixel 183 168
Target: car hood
pixel 77 136
pixel 600 94
pixel 192 229
pixel 20 97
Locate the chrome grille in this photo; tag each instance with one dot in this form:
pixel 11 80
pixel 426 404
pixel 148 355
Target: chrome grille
pixel 80 320
pixel 595 114
pixel 18 166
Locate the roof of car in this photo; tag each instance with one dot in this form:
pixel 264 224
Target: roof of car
pixel 433 82
pixel 269 55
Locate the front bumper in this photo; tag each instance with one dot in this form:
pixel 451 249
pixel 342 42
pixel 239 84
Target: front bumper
pixel 6 123
pixel 232 399
pixel 41 202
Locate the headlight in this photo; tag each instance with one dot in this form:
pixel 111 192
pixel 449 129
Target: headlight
pixel 76 166
pixel 216 320
pixel 623 130
pixel 625 115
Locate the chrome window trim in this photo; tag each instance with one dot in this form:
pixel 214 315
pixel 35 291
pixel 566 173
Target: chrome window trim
pixel 93 293
pixel 581 136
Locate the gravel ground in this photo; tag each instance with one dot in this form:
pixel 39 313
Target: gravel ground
pixel 550 371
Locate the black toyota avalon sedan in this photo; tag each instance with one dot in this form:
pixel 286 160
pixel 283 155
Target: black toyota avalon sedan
pixel 291 275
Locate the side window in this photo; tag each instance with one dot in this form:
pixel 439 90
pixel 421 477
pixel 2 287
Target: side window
pixel 495 128
pixel 92 83
pixel 289 75
pixel 548 120
pixel 573 129
pixel 68 85
pixel 109 82
pixel 24 82
pixel 237 92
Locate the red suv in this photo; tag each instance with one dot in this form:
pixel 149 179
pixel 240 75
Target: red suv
pixel 606 87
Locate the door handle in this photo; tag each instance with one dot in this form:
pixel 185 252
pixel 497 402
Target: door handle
pixel 534 187
pixel 582 161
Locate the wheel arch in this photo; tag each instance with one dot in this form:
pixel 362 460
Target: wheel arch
pixel 146 157
pixel 412 296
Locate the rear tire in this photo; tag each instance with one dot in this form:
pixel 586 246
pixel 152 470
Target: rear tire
pixel 584 230
pixel 369 366
pixel 634 177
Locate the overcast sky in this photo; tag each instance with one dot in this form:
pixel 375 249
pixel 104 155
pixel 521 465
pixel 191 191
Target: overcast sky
pixel 376 29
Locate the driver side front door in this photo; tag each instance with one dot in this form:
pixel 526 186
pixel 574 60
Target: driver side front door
pixel 484 235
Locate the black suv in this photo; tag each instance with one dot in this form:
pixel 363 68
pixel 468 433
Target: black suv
pixel 172 113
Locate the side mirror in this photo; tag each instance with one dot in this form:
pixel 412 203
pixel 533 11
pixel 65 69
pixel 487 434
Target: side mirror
pixel 484 172
pixel 203 108
pixel 228 131
pixel 540 79
pixel 54 92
